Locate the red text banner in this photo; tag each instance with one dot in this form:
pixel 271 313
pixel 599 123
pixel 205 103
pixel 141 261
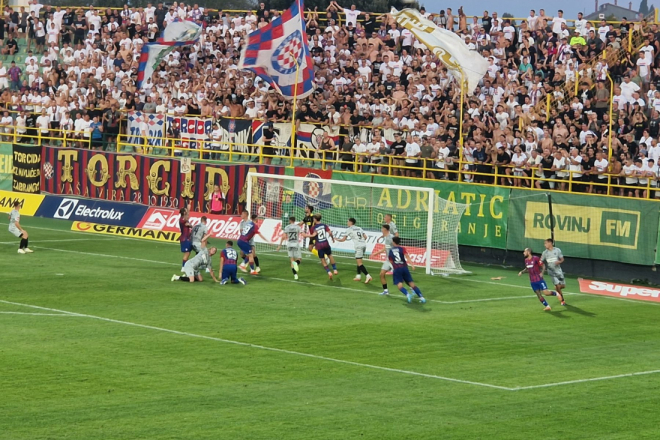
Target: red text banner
pixel 619 290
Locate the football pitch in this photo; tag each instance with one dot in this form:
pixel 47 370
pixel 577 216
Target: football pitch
pixel 97 343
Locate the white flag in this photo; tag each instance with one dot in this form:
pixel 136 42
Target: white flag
pixel 446 45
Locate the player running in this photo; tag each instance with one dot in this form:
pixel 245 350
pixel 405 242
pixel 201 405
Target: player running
pixel 400 262
pixel 17 230
pixel 184 238
pixel 386 238
pixel 360 242
pixel 248 229
pixel 292 234
pixel 552 258
pixel 308 221
pixel 321 233
pixel 227 271
pixel 195 265
pixel 534 266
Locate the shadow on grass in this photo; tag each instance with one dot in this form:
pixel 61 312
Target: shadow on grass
pixel 580 311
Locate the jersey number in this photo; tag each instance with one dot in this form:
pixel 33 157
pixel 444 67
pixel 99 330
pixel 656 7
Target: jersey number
pixel 397 257
pixel 231 254
pixel 245 230
pixel 293 236
pixel 320 235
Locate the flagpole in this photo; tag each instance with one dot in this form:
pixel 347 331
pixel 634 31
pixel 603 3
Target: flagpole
pixel 293 117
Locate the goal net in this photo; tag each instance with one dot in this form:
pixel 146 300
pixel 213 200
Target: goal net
pixel 427 224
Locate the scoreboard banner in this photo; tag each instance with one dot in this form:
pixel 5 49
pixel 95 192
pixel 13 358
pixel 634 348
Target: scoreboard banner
pixel 602 228
pixel 146 180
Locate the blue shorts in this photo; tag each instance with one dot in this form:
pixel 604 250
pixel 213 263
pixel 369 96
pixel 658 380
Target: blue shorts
pixel 245 247
pixel 186 246
pixel 323 252
pixel 539 286
pixel 229 273
pixel 402 275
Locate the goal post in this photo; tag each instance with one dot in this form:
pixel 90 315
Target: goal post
pixel 427 224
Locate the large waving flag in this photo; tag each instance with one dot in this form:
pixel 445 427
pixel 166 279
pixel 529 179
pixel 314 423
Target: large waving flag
pixel 177 33
pixel 446 45
pixel 272 51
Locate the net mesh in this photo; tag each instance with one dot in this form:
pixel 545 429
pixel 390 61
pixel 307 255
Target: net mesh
pixel 275 198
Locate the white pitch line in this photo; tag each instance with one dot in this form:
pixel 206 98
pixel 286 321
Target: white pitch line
pixel 37 314
pixel 57 241
pixel 263 347
pixel 593 379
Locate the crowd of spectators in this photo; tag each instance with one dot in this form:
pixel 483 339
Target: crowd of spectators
pixel 383 93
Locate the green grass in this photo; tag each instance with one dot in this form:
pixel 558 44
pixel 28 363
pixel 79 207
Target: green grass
pixel 82 377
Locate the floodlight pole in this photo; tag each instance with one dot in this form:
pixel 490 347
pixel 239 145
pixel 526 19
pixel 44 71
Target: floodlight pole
pixel 295 103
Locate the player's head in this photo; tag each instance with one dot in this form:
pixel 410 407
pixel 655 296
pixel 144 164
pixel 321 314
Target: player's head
pixel 317 218
pixel 527 252
pixel 388 218
pixel 17 205
pixel 245 215
pixel 549 243
pixel 385 229
pixel 292 219
pixel 254 217
pixel 396 240
pixel 203 220
pixel 229 243
pixel 183 211
pixel 212 251
pixel 351 221
pixel 309 209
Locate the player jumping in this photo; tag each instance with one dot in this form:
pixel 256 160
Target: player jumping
pixel 360 242
pixel 184 238
pixel 291 235
pixel 534 266
pixel 195 265
pixel 17 230
pixel 248 229
pixel 552 258
pixel 227 271
pixel 320 234
pixel 308 221
pixel 387 238
pixel 400 273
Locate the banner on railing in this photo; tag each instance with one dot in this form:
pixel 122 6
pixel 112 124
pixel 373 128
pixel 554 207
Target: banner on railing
pixel 6 167
pixel 140 179
pixel 616 229
pixel 236 135
pixel 484 222
pixel 26 169
pixel 281 140
pixel 193 131
pixel 146 128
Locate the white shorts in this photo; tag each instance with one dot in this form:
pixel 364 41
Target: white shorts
pixel 294 252
pixel 387 266
pixel 15 231
pixel 190 271
pixel 360 251
pixel 197 247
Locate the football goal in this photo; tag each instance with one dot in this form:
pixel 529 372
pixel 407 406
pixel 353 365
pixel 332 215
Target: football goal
pixel 427 224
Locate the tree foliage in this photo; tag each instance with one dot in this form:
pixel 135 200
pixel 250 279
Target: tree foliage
pixel 644 7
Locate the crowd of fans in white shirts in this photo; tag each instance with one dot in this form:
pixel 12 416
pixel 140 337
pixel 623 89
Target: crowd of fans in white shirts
pixel 383 93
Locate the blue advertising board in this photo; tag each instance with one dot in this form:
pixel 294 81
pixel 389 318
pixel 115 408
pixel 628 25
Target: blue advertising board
pixel 93 211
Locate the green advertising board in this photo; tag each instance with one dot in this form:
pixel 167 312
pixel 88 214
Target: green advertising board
pixel 602 228
pixel 6 167
pixel 484 222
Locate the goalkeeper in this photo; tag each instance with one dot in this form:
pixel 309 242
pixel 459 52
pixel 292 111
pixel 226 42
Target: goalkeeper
pixel 553 258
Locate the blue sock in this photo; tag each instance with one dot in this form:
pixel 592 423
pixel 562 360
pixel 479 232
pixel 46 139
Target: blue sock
pixel 327 269
pixel 245 259
pixel 334 266
pixel 545 303
pixel 553 293
pixel 252 266
pixel 404 291
pixel 183 263
pixel 418 292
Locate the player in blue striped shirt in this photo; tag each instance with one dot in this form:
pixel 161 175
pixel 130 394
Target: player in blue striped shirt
pixel 400 273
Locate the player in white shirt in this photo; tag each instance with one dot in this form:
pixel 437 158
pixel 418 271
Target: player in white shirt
pixel 292 234
pixel 359 238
